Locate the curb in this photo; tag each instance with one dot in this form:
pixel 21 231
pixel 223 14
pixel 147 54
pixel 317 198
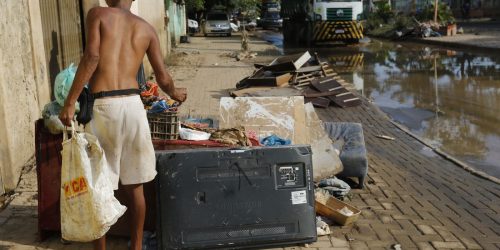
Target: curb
pixel 438 151
pixel 455 45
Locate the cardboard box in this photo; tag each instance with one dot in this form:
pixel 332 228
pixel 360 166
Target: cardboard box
pixel 331 209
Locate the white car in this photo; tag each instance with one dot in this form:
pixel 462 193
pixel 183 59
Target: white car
pixel 217 23
pixel 193 26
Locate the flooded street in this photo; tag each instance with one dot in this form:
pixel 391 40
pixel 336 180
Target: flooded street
pixel 449 97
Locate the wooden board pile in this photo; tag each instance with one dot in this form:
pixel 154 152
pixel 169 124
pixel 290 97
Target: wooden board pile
pixel 301 75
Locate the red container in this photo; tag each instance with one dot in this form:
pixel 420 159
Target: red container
pixel 48 168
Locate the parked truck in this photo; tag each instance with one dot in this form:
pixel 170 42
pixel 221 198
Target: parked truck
pixel 307 22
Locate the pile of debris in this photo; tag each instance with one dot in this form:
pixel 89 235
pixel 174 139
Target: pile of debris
pixel 298 75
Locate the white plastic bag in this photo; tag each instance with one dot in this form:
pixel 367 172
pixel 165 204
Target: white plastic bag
pixel 62 85
pixel 193 135
pixel 88 205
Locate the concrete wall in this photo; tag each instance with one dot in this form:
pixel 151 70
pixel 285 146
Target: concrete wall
pixel 177 21
pixel 24 87
pixel 153 11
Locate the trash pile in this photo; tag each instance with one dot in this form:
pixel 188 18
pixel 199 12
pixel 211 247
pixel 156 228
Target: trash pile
pixel 428 29
pixel 154 103
pixel 298 75
pixel 279 99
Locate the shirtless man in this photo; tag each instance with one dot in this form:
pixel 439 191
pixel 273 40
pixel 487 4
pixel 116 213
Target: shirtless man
pixel 117 41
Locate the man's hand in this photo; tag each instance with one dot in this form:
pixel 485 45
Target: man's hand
pixel 180 94
pixel 67 114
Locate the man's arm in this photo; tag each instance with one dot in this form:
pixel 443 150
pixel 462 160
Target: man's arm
pixel 162 76
pixel 86 68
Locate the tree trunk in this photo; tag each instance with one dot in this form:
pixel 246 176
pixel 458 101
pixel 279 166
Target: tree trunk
pixel 436 5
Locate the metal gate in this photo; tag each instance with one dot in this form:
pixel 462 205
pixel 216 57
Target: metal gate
pixel 62 33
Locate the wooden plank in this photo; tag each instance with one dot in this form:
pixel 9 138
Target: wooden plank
pixel 308 69
pixel 279 81
pixel 318 102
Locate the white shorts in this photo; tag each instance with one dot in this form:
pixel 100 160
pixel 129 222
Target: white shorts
pixel 121 126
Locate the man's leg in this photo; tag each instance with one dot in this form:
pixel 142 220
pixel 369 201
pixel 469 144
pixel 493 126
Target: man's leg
pixel 100 244
pixel 137 207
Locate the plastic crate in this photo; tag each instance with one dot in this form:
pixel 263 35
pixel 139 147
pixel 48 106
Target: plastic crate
pixel 164 126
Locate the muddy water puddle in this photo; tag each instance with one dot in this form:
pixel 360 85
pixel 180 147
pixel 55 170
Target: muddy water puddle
pixel 449 97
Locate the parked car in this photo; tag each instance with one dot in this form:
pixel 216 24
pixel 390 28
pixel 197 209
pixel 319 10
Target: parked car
pixel 271 6
pixel 217 23
pixel 271 20
pixel 193 26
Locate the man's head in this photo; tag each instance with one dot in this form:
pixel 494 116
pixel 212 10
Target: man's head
pixel 117 3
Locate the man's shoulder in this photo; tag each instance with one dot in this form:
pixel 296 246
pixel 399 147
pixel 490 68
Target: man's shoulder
pixel 143 24
pixel 98 10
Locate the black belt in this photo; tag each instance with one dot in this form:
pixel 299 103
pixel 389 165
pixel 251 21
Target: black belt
pixel 116 93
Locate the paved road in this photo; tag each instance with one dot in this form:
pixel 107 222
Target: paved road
pixel 414 197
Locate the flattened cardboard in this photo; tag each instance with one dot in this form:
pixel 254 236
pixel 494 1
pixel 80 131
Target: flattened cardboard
pixel 283 116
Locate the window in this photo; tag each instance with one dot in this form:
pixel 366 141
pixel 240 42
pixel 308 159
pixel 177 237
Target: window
pixel 217 17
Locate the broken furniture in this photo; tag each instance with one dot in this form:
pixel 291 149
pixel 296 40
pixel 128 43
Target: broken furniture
pixel 232 198
pixel 348 138
pixel 305 75
pixel 277 73
pixel 329 88
pixel 265 78
pixel 316 79
pixel 288 63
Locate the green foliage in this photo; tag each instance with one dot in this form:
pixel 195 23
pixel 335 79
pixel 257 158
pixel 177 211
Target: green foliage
pixel 384 11
pixel 373 21
pixel 445 15
pixel 194 5
pixel 403 21
pixel 249 8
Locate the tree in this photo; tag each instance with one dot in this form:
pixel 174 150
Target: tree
pixel 194 5
pixel 249 8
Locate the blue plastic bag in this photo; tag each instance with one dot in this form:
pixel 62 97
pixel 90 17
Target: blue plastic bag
pixel 274 140
pixel 63 83
pixel 158 107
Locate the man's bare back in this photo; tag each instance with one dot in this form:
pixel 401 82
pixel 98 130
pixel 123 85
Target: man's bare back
pixel 124 39
pixel 117 41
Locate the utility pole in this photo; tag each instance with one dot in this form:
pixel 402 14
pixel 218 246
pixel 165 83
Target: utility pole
pixel 436 3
